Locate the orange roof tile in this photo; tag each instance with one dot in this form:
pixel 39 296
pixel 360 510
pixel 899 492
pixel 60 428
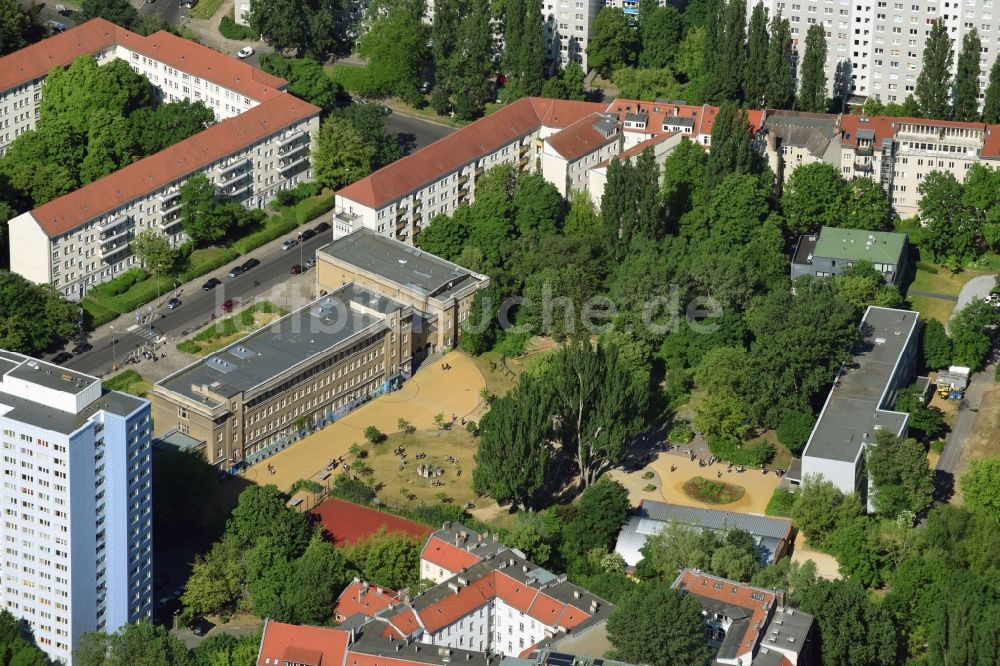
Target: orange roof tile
pixel 991 143
pixel 473 141
pixel 580 138
pixel 733 594
pixel 364 598
pixel 303 642
pixel 348 523
pixel 60 50
pixel 167 166
pixel 451 558
pixel 659 112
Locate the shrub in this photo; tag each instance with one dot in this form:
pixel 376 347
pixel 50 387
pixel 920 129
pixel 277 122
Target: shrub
pixel 712 492
pixel 781 503
pixel 306 484
pixel 198 268
pixel 188 347
pixel 354 490
pixel 297 194
pixel 274 227
pixel 310 209
pixel 753 454
pixel 680 433
pixel 648 475
pixel 937 446
pixel 120 284
pixel 794 430
pixel 230 29
pixel 650 487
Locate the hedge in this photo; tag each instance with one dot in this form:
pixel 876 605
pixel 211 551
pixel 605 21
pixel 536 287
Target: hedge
pixel 752 454
pixel 120 284
pixel 274 227
pixel 230 29
pixel 197 269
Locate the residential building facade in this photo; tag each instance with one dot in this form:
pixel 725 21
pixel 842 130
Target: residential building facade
pixel 440 292
pixel 77 526
pixel 834 250
pixel 567 25
pixel 178 68
pixel 861 400
pixel 82 239
pixel 256 396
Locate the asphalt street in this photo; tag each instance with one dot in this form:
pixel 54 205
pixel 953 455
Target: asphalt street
pixel 197 306
pixel 171 10
pixel 416 132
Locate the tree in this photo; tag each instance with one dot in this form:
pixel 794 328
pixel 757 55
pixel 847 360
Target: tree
pixel 853 628
pixel 152 130
pixel 965 623
pixel 315 581
pixel 374 435
pixel 981 485
pixel 821 507
pixel 951 229
pixel 867 205
pixel 227 650
pixel 34 318
pixel 780 92
pixel 794 429
pixel 861 285
pixel 728 72
pixel 538 205
pixel 342 156
pixel 201 217
pixel 370 124
pixel 757 73
pixel 15 647
pixel 613 42
pixel 966 97
pixel 395 46
pixel 405 427
pixel 217 579
pixel 261 512
pixel 525 71
pixel 512 455
pixel 933 86
pixel 660 31
pixel 678 546
pixel 119 12
pixel 969 329
pixel 659 626
pixel 900 476
pixel 388 559
pixel 139 643
pixel 991 105
pixel 18 27
pixel 473 69
pixel 935 345
pixel 812 86
pixel 815 196
pixel 597 404
pixel 444 38
pixel 601 511
pixel 732 151
pixel 154 251
pixel 925 421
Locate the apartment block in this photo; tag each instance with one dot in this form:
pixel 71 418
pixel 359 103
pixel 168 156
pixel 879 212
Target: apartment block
pixel 875 49
pixel 82 239
pixel 834 250
pixel 567 29
pixel 178 68
pixel 568 155
pixel 862 398
pixel 78 503
pixel 790 139
pixel 254 397
pixel 440 292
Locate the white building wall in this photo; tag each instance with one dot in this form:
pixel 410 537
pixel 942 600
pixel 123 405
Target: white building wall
pixel 513 630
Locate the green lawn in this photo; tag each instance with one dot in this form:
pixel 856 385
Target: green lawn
pixel 129 381
pixel 231 329
pixel 932 308
pixel 940 280
pixel 206 9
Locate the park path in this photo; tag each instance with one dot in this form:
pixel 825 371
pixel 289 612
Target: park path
pixel 429 392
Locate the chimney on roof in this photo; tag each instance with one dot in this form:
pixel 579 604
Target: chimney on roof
pixel 576 594
pixel 594 606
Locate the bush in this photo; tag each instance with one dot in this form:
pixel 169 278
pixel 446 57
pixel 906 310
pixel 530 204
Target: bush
pixel 274 227
pixel 781 503
pixel 753 454
pixel 937 446
pixel 310 209
pixel 188 347
pixel 713 492
pixel 120 284
pixel 230 29
pixel 307 485
pixel 794 430
pixel 348 488
pixel 650 487
pixel 197 268
pixel 680 433
pixel 293 196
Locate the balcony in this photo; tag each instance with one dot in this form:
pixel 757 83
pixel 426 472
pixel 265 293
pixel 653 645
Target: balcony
pixel 168 199
pixel 236 184
pixel 294 166
pixel 523 162
pixel 863 149
pixel 293 141
pixel 116 234
pixel 462 180
pixel 115 252
pixel 294 156
pixel 478 172
pixel 865 164
pixel 113 222
pixel 171 226
pixel 232 171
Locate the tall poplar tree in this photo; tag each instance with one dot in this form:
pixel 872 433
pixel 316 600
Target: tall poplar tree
pixel 812 77
pixel 934 81
pixel 966 104
pixel 713 34
pixel 728 74
pixel 780 91
pixel 444 37
pixel 472 64
pixel 991 107
pixel 757 74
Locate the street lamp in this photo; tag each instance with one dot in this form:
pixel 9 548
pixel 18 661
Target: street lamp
pixel 114 351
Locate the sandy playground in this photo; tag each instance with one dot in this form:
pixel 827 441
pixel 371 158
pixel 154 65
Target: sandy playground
pixel 429 392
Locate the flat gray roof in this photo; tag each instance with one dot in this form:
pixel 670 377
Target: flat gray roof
pixel 313 329
pixel 402 264
pixel 44 374
pixel 56 420
pixel 178 440
pixel 853 409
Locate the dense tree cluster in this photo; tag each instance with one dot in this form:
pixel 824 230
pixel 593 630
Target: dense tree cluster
pixel 146 643
pixel 962 219
pixel 19 27
pixel 305 27
pixel 353 142
pixel 306 79
pixel 16 648
pixel 208 216
pixel 34 318
pixel 816 195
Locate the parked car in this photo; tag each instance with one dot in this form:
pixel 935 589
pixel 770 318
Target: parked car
pixel 310 262
pixel 200 626
pixel 189 4
pixel 56 26
pixel 229 305
pixel 178 591
pixel 296 269
pixel 211 284
pixel 82 347
pixel 236 271
pixel 425 87
pixel 385 110
pixel 173 303
pixel 244 52
pixel 61 358
pixel 289 244
pixel 321 227
pixel 250 263
pixel 306 235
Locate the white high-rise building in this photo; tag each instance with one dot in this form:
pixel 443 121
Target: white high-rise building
pixel 567 29
pixel 77 499
pixel 875 48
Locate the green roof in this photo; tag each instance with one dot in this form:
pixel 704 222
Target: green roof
pixel 883 247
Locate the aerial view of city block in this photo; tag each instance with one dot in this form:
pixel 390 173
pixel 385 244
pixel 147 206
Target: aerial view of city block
pixel 499 333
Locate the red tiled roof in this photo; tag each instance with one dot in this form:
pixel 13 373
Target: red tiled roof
pixel 733 594
pixel 639 147
pixel 451 558
pixel 167 166
pixel 464 146
pixel 659 112
pixel 60 50
pixel 364 598
pixel 359 659
pixel 349 523
pixel 851 124
pixel 580 138
pixel 991 143
pixel 303 641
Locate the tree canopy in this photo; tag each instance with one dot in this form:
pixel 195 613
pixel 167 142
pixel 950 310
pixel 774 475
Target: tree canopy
pixel 660 626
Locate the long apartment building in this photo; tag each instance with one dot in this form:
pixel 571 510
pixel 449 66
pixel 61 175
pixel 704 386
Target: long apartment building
pixel 179 69
pixel 875 48
pixel 83 238
pixel 862 399
pixel 77 502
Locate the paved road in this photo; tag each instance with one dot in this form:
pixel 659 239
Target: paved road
pixel 416 131
pixel 171 10
pixel 961 428
pixel 197 306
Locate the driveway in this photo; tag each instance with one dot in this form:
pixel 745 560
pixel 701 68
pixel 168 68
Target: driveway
pixel 970 418
pixel 977 287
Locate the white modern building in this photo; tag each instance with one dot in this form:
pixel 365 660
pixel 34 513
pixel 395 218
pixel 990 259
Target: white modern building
pixel 875 49
pixel 77 525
